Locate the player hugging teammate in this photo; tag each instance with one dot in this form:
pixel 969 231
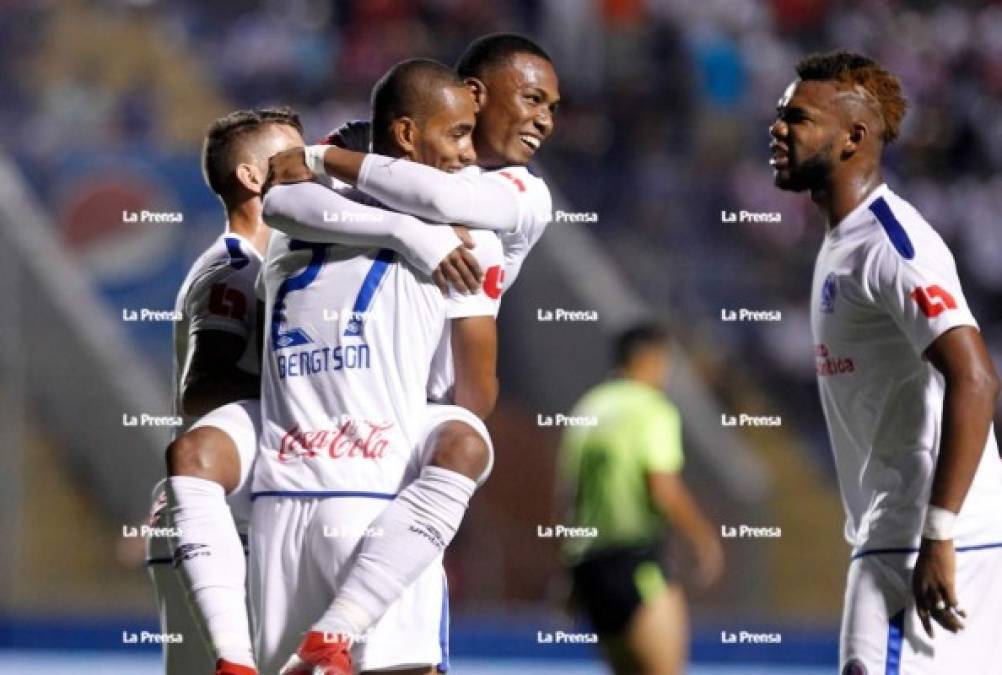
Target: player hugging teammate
pixel 355 456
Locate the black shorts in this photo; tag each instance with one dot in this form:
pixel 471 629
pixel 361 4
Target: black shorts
pixel 610 585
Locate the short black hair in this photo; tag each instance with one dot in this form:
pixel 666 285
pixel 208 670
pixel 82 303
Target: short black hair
pixel 493 50
pixel 405 91
pixel 637 337
pixel 848 69
pixel 227 134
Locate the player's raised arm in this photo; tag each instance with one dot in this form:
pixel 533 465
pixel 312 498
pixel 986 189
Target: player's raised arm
pixel 314 213
pixel 488 200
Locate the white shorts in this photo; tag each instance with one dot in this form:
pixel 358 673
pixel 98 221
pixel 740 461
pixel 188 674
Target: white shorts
pixel 882 634
pixel 438 414
pixel 241 421
pixel 301 549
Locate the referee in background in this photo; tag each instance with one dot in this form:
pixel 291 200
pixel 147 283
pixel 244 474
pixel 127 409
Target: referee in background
pixel 621 478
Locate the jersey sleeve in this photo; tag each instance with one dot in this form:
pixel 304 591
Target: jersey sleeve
pixel 917 284
pixel 660 439
pixel 486 301
pixel 494 200
pixel 222 298
pixel 517 245
pixel 335 213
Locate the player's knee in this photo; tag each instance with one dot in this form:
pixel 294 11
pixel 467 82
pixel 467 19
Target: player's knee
pixel 458 447
pixel 199 454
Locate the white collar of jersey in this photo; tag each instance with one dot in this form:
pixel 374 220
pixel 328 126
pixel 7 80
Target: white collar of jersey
pixel 246 242
pixel 859 215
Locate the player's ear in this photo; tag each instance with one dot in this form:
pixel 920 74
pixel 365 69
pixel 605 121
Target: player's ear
pixel 250 177
pixel 857 134
pixel 478 89
pixel 404 132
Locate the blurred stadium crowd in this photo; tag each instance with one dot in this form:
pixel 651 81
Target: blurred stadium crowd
pixel 663 126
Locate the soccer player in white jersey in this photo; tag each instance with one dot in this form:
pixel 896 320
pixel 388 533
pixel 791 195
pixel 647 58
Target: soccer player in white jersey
pixel 517 91
pixel 906 384
pixel 218 357
pixel 345 379
pixel 216 368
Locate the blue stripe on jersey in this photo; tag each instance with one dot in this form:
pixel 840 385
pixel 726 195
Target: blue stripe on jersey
pixel 895 635
pixel 370 285
pixel 294 337
pixel 237 258
pixel 323 494
pixel 959 549
pixel 895 232
pixel 443 627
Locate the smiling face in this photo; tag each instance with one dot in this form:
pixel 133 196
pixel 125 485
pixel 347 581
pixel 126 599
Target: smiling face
pixel 516 114
pixel 445 139
pixel 804 136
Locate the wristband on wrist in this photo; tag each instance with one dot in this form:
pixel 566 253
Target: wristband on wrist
pixel 314 155
pixel 939 523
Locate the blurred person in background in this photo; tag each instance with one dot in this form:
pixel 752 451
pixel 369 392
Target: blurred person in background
pixel 907 387
pixel 620 473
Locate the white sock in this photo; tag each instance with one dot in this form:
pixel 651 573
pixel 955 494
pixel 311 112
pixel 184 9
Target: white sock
pixel 409 534
pixel 210 559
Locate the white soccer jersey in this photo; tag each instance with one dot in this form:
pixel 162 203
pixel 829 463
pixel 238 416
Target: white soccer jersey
pixel 534 209
pixel 217 294
pixel 536 212
pixel 350 335
pixel 885 287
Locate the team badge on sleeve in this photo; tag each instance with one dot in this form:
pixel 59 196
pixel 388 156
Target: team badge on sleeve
pixel 933 300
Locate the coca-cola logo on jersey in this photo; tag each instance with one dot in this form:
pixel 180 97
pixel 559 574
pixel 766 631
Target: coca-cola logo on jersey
pixel 361 439
pixel 828 365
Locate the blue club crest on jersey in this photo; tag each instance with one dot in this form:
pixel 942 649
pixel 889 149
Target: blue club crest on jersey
pixel 829 289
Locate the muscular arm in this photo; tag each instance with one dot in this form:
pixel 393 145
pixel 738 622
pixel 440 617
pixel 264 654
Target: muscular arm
pixel 972 388
pixel 474 352
pixel 478 200
pixel 212 378
pixel 314 213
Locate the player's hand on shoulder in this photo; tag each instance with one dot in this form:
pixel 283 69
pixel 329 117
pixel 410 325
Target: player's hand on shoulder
pixel 934 586
pixel 288 166
pixel 459 268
